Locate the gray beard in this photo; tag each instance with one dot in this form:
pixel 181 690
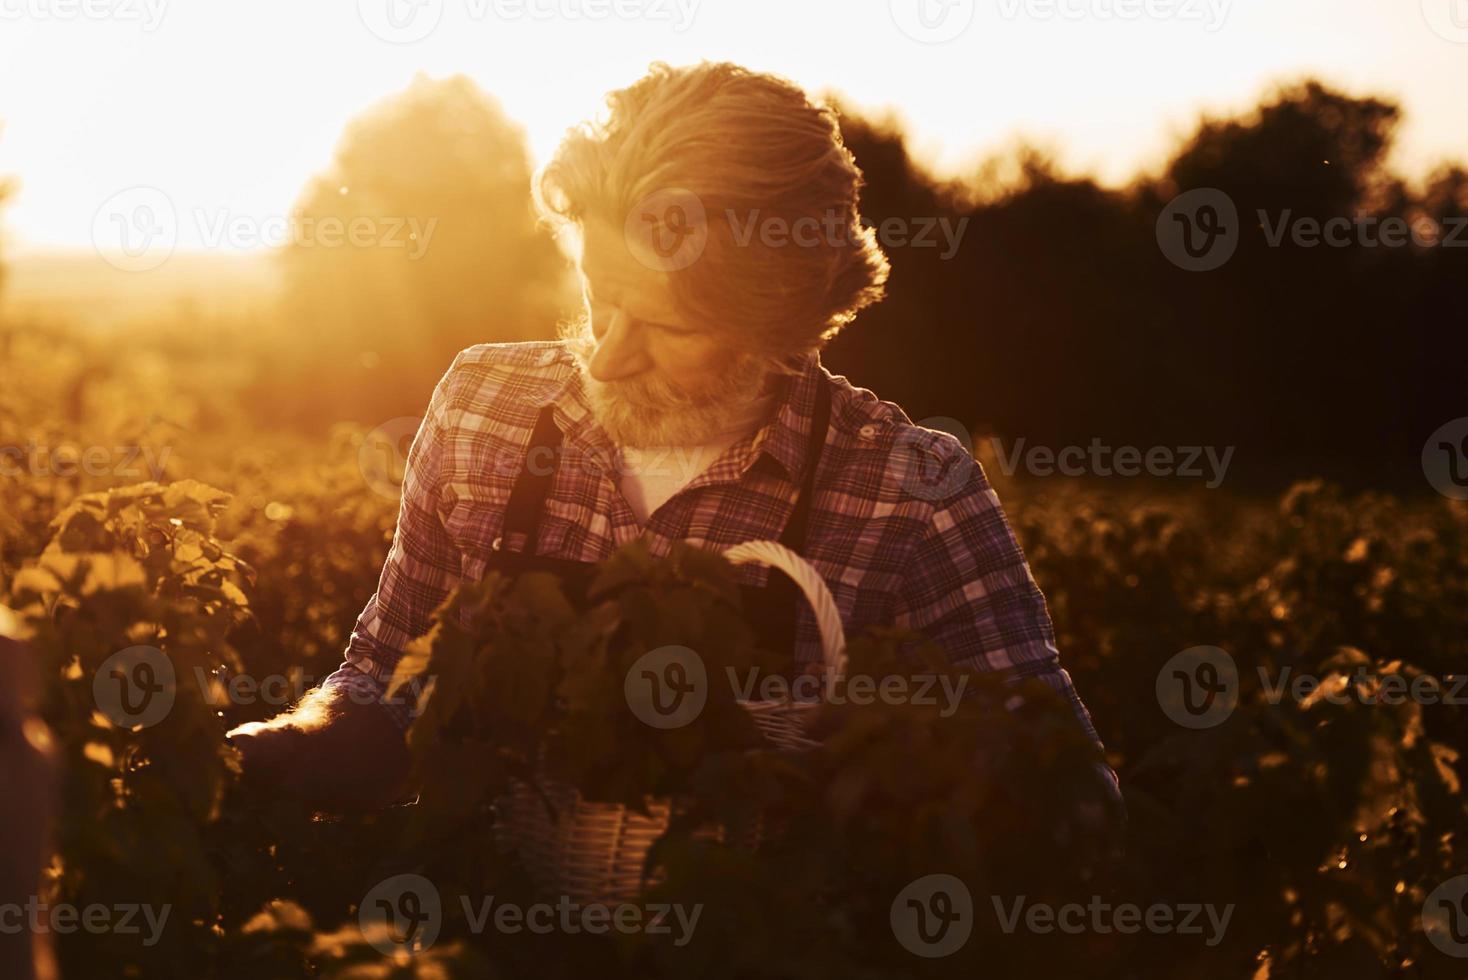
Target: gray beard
pixel 645 413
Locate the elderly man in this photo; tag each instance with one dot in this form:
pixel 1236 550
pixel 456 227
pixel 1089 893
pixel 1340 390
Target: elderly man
pixel 714 221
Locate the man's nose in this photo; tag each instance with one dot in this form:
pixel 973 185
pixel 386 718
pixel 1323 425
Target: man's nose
pixel 620 351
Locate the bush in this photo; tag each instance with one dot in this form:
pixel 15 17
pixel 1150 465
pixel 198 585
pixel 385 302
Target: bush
pixel 1324 821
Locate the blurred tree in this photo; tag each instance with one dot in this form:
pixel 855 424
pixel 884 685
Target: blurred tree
pixel 920 291
pixel 7 189
pixel 417 241
pixel 1316 151
pixel 1305 351
pixel 1058 319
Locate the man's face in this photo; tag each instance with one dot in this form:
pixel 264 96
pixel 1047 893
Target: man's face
pixel 653 379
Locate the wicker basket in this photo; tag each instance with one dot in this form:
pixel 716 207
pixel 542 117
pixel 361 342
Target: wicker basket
pixel 596 852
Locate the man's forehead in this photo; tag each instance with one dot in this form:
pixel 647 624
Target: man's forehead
pixel 605 254
pixel 608 265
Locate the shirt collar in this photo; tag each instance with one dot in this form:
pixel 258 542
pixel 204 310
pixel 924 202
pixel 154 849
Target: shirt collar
pixel 784 439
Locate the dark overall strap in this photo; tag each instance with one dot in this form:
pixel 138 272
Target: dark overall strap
pixel 522 512
pixel 777 606
pixel 793 537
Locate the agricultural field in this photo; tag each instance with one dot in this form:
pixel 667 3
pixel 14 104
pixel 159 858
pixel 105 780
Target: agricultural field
pixel 142 504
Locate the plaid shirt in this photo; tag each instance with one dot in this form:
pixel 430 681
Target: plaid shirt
pixel 904 526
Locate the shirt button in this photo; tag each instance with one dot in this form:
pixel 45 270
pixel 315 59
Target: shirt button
pixel 868 431
pixel 495 544
pixel 547 358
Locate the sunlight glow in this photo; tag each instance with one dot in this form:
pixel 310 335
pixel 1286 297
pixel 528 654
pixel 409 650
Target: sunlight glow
pixel 229 108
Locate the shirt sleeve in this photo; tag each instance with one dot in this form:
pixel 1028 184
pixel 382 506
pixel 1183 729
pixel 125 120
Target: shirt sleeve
pixel 970 590
pixel 422 567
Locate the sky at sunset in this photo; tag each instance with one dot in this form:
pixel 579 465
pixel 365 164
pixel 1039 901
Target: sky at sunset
pixel 227 107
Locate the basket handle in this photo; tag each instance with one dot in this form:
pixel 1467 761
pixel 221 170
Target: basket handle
pixel 817 593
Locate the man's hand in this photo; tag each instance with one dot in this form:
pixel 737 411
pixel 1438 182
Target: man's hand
pixel 329 753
